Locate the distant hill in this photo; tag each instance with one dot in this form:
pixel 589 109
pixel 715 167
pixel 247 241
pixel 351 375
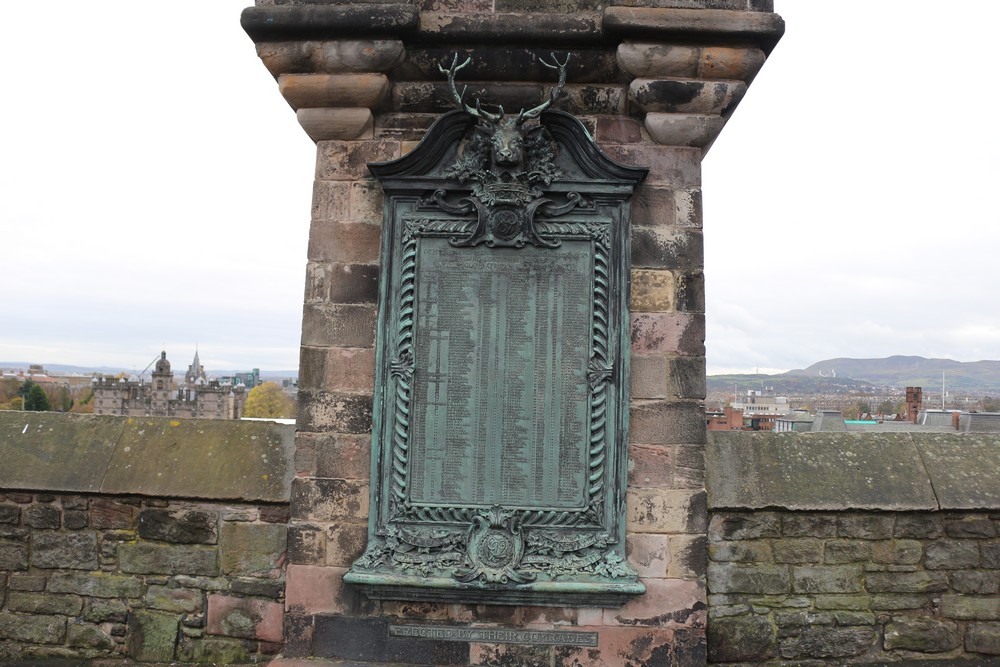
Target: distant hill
pixel 846 374
pixel 114 370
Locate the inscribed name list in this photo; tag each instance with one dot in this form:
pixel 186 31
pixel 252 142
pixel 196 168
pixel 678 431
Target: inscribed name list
pixel 501 351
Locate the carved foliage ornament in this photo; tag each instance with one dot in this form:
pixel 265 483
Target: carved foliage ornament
pixel 501 392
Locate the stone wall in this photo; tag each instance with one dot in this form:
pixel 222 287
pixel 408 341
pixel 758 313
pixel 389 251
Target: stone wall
pixel 853 548
pixel 152 539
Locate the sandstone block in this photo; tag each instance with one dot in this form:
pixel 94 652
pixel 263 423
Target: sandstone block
pixel 343 456
pixel 331 411
pixel 951 555
pixel 152 636
pixel 744 526
pixel 649 376
pixel 803 550
pixel 808 525
pixel 403 126
pixel 653 207
pixel 330 500
pixel 591 98
pixel 348 160
pixel 865 526
pixel 668 333
pixel 677 249
pixel 10 514
pixel 972 527
pixel 106 514
pixel 336 123
pixel 922 634
pixel 650 466
pixel 918 526
pixel 341 283
pixel 153 558
pixel 847 551
pixel 13 556
pixel 179 527
pixel 666 511
pixel 84 635
pixel 827 579
pixel 906 582
pixel 983 638
pixel 346 325
pixel 256 587
pixel 666 423
pixel 684 129
pixel 964 607
pixel 720 62
pixel 741 551
pixel 652 291
pixel 688 207
pixel 649 554
pixel 212 651
pixel 890 602
pixel 667 602
pixel 98 584
pixel 306 544
pixel 689 557
pixel 75 519
pixel 332 56
pixel 897 552
pixel 44 603
pixel 344 242
pixel 686 378
pixel 32 629
pixel 742 639
pixel 842 602
pixel 26 582
pixel 330 203
pixel 690 291
pixel 341 369
pixel 75 551
pixel 245 618
pixel 652 59
pixel 668 165
pixel 41 517
pixel 252 548
pixel 97 610
pixel 305 91
pixel 687 96
pixel 757 579
pixel 975 583
pixel 829 642
pixel 345 543
pixel 317 590
pixel 618 130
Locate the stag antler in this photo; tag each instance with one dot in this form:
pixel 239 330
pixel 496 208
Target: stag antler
pixel 553 94
pixel 478 111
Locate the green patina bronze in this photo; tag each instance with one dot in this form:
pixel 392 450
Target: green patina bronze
pixel 501 402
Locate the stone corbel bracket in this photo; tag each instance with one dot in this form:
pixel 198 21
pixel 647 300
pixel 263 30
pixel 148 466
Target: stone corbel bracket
pixel 683 71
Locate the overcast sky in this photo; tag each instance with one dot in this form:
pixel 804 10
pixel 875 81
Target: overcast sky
pixel 156 190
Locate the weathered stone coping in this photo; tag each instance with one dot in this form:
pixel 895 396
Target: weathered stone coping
pixel 865 471
pixel 146 456
pixel 362 21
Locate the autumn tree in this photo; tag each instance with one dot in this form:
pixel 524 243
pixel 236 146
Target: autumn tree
pixel 268 400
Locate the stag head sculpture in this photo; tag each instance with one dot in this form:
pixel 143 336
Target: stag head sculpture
pixel 505 134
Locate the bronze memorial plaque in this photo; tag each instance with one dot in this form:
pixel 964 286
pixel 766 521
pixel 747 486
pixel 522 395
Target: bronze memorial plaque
pixel 501 399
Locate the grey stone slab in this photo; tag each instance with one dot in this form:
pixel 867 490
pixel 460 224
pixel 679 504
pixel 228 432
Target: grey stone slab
pixel 54 451
pixel 817 471
pixel 151 456
pixel 963 468
pixel 195 458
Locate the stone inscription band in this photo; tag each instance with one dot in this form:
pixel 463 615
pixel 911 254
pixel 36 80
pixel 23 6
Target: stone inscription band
pixel 495 635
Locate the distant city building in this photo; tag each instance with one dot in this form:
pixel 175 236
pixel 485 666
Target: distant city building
pixel 761 403
pixel 729 419
pixel 198 397
pixel 249 379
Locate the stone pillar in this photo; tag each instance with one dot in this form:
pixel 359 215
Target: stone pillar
pixel 654 85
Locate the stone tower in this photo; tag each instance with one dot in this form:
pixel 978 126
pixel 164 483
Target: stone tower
pixel 653 82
